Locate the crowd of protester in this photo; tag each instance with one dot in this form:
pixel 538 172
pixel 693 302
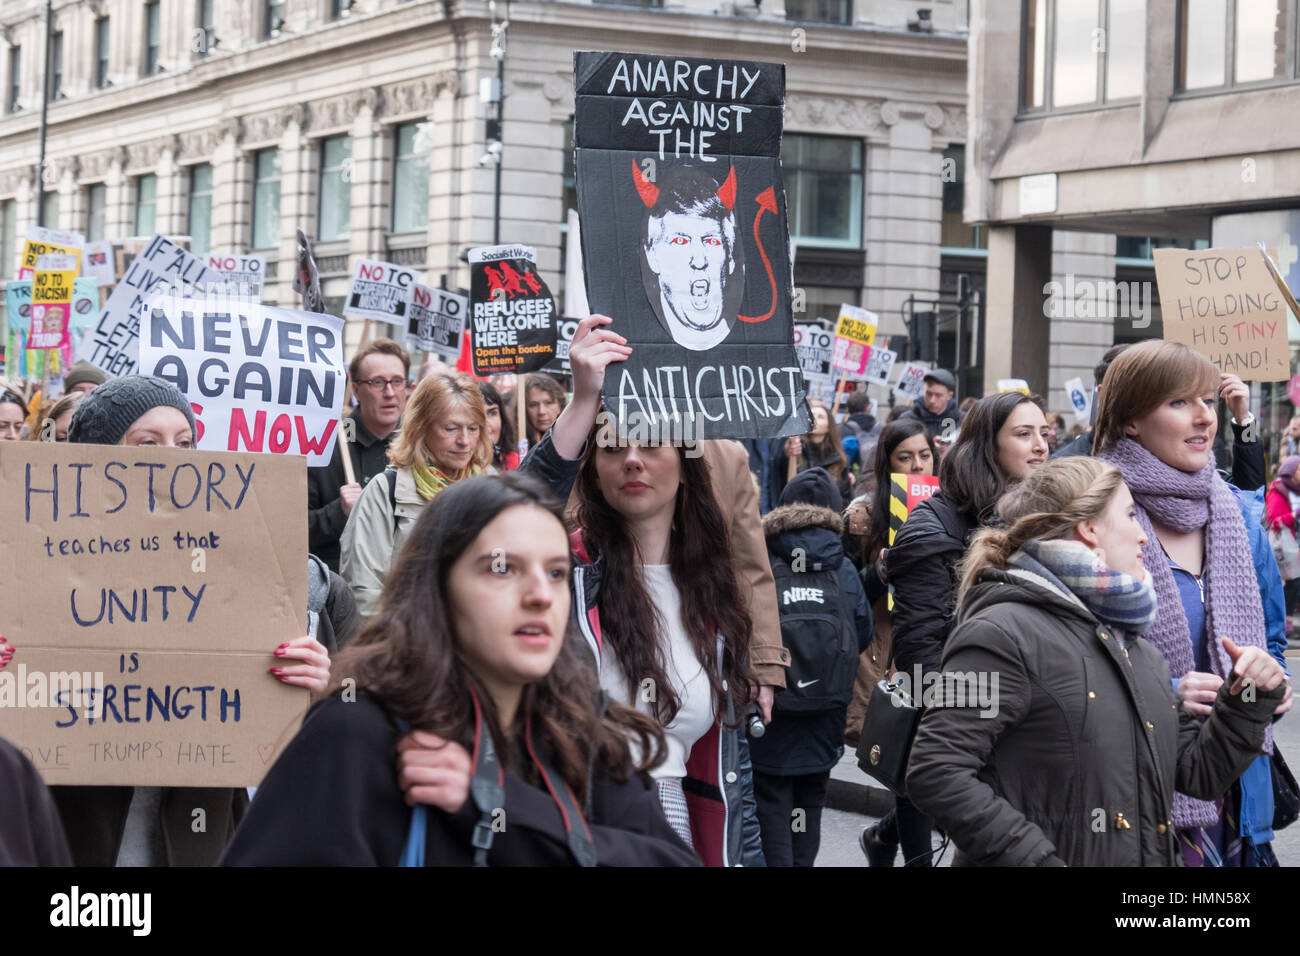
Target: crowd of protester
pixel 615 642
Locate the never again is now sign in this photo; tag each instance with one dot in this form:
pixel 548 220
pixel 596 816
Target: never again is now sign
pixel 145 590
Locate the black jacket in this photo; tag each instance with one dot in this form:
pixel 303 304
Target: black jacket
pixel 797 744
pixel 332 799
pixel 935 424
pixel 1086 743
pixel 826 457
pixel 921 566
pixel 1247 471
pixel 325 517
pixel 30 832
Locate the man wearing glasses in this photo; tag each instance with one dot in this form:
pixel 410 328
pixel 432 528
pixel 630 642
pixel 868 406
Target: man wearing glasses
pixel 379 373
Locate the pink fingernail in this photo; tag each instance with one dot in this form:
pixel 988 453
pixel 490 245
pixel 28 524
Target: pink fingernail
pixel 275 670
pixel 279 651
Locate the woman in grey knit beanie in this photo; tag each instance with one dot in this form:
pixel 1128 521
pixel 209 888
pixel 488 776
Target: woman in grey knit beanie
pixel 134 410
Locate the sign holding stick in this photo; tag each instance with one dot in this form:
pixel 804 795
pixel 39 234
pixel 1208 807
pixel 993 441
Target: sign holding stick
pixel 1224 304
pixel 145 589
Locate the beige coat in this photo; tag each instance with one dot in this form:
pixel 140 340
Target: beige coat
pixel 371 539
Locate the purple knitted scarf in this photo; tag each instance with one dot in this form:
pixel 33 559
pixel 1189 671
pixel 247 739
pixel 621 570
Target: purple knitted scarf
pixel 1184 502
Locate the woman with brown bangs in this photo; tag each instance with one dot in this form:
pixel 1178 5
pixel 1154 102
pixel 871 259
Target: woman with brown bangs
pixel 444 439
pixel 469 674
pixel 1209 558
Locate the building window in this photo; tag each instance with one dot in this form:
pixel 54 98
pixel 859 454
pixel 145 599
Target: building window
pixel 8 238
pixel 206 33
pixel 146 205
pixel 823 181
pixel 334 193
pixel 266 199
pixel 15 78
pixel 635 3
pixel 101 53
pixel 151 38
pixel 1081 52
pixel 50 210
pixel 411 177
pixel 200 217
pixel 55 90
pixel 96 212
pixel 340 8
pixel 1232 42
pixel 954 233
pixel 820 11
pixel 272 19
pixel 1138 250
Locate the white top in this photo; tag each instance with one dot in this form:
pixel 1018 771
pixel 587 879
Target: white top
pixel 681 666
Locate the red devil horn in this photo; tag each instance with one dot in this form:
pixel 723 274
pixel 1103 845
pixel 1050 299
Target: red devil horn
pixel 647 190
pixel 727 191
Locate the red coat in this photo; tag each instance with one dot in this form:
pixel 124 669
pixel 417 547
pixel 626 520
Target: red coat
pixel 1277 501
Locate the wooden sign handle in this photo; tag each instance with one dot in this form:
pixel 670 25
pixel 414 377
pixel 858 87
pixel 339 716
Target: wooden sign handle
pixel 839 393
pixel 343 437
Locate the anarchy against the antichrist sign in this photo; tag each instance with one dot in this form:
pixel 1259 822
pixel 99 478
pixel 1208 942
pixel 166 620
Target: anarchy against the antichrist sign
pixel 512 313
pixel 685 242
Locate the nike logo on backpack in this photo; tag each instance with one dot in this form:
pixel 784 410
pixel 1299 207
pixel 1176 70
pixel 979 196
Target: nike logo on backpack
pixel 806 683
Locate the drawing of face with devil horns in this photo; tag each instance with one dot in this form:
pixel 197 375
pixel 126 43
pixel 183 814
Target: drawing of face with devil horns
pixel 691 265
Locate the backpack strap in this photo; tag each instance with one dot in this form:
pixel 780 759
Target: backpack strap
pixel 390 475
pixel 575 824
pixel 487 787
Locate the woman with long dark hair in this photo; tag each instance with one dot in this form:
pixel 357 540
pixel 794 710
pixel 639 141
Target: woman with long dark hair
pixel 501 429
pixel 1072 757
pixel 472 645
pixel 1214 573
pixel 820 448
pixel 1003 439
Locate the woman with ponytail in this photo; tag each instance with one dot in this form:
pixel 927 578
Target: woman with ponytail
pixel 1055 736
pixel 1211 565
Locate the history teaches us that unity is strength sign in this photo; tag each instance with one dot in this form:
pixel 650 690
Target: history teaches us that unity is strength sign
pixel 685 242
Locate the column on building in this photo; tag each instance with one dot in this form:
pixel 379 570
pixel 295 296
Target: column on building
pixel 904 214
pixel 232 193
pixel 172 189
pixel 72 199
pixel 1016 333
pixel 118 220
pixel 297 170
pixel 445 203
pixel 1081 315
pixel 370 189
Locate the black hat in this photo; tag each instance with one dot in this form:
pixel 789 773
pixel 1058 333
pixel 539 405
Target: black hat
pixel 943 377
pixel 106 414
pixel 813 486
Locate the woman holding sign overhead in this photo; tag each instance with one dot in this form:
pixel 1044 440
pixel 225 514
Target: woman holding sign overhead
pixel 444 438
pixel 151 826
pixel 1215 576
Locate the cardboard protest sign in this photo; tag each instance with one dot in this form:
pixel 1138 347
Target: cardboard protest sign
pixel 243 274
pixel 437 319
pixel 1080 400
pixel 512 312
pixel 879 364
pixel 97 262
pixel 52 301
pixel 44 241
pixel 911 381
pixel 855 330
pixel 685 241
pixel 812 347
pixel 380 290
pixel 146 589
pixel 162 266
pixel 1224 304
pixel 258 378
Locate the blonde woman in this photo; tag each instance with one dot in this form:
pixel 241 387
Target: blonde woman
pixel 1073 756
pixel 444 438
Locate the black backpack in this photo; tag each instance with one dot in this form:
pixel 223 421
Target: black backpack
pixel 823 645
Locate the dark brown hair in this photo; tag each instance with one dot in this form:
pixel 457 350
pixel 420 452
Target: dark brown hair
pixel 891 436
pixel 702 567
pixel 378 347
pixel 969 474
pixel 409 657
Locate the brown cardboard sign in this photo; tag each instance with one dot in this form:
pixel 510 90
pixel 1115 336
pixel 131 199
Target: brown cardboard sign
pixel 1224 304
pixel 145 590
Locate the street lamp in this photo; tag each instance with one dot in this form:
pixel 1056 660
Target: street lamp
pixel 495 142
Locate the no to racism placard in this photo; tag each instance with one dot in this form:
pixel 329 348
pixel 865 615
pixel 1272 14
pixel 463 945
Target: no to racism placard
pixel 44 241
pixel 437 319
pixel 1224 304
pixel 258 378
pixel 52 301
pixel 854 332
pixel 685 242
pixel 380 290
pixel 161 267
pixel 242 274
pixel 145 590
pixel 512 312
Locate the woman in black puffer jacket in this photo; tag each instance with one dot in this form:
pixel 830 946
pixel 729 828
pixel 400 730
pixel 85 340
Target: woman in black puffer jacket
pixel 1072 757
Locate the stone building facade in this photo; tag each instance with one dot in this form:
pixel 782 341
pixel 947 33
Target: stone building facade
pixel 363 122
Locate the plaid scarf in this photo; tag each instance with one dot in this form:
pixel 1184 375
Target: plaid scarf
pixel 1115 598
